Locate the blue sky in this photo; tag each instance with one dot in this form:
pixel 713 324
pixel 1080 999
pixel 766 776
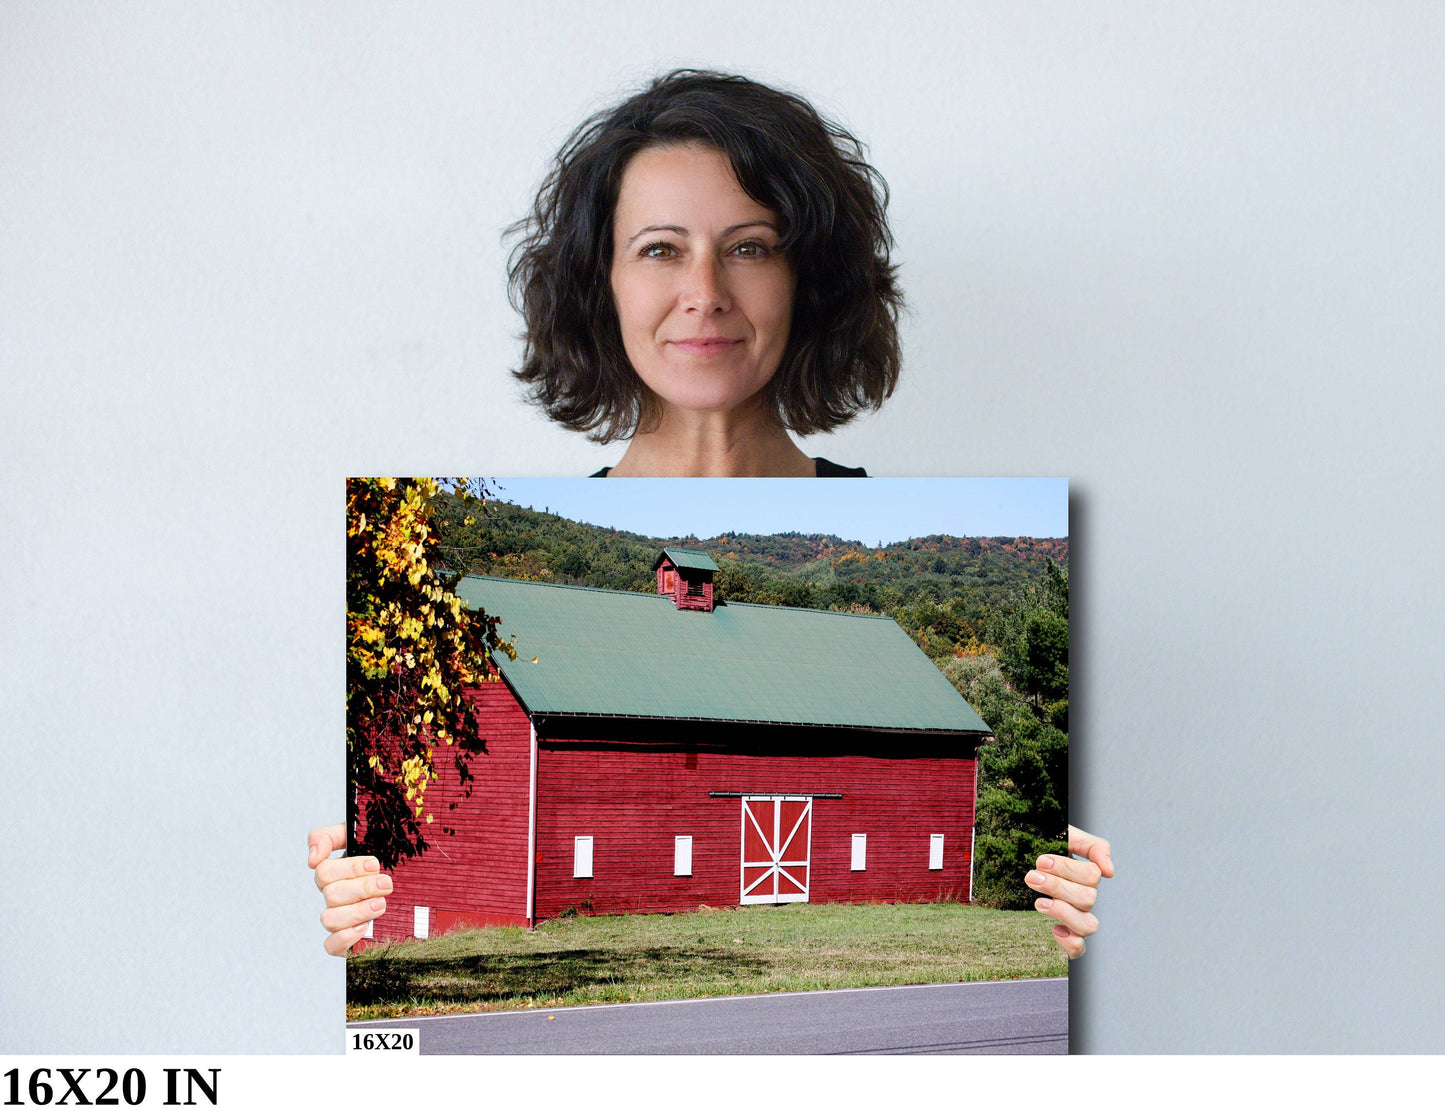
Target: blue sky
pixel 872 510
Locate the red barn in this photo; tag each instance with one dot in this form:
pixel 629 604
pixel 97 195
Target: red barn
pixel 655 752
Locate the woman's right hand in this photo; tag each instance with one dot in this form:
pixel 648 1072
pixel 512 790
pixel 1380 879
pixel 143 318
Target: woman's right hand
pixel 355 888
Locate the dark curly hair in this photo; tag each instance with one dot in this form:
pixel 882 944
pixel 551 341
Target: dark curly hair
pixel 843 353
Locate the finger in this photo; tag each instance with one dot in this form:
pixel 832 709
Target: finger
pixel 341 942
pixel 352 915
pixel 1073 944
pixel 354 889
pixel 1070 868
pixel 339 868
pixel 1079 896
pixel 322 842
pixel 1079 922
pixel 1095 848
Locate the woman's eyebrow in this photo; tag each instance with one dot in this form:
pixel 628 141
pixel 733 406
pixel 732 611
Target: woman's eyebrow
pixel 731 229
pixel 680 231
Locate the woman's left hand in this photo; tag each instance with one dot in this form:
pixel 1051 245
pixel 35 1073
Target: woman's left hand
pixel 1070 887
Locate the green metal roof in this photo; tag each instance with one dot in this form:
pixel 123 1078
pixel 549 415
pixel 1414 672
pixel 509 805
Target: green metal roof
pixel 687 560
pixel 609 653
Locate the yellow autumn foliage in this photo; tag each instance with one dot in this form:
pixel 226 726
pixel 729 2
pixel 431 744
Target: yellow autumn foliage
pixel 412 648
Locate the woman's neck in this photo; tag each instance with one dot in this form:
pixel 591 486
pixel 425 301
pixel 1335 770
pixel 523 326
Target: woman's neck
pixel 742 443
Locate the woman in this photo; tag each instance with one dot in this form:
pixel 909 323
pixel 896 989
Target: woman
pixel 704 274
pixel 748 292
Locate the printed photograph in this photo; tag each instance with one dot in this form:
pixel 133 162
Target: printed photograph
pixel 695 743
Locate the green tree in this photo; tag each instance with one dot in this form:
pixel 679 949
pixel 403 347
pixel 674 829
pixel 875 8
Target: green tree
pixel 1023 694
pixel 412 650
pixel 1034 653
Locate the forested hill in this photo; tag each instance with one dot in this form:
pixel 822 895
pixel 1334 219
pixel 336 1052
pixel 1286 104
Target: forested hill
pixel 948 593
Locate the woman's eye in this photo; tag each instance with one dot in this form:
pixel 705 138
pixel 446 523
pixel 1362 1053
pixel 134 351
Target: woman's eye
pixel 657 251
pixel 751 249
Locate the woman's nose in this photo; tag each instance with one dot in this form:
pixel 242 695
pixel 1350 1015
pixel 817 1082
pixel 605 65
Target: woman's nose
pixel 705 287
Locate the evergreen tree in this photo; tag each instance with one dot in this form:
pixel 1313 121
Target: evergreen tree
pixel 1023 694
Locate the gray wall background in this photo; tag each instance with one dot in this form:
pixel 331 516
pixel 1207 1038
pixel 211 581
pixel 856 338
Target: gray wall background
pixel 1188 256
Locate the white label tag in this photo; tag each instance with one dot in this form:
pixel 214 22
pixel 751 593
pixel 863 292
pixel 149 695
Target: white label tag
pixel 391 1041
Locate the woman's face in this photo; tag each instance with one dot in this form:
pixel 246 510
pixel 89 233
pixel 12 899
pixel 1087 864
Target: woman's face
pixel 702 294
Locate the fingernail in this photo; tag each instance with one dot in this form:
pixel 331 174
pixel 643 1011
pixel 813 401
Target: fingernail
pixel 1043 903
pixel 378 904
pixel 383 882
pixel 312 855
pixel 371 865
pixel 1035 879
pixel 1046 862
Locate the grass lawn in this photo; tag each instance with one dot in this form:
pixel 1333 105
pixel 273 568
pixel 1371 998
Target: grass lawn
pixel 707 953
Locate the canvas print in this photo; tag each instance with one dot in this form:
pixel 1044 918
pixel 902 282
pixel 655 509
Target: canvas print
pixel 721 738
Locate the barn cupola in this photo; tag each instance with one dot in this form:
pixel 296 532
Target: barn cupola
pixel 686 577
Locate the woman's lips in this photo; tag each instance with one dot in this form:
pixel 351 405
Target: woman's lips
pixel 705 346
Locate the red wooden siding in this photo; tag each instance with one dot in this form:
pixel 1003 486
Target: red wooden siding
pixel 478 876
pixel 686 594
pixel 634 802
pixel 695 594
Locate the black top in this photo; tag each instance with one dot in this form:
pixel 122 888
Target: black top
pixel 825 469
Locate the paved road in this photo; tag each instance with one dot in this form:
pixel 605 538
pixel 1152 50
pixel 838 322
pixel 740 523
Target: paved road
pixel 992 1017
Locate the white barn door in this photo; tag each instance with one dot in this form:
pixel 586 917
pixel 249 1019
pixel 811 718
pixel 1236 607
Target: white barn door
pixel 776 846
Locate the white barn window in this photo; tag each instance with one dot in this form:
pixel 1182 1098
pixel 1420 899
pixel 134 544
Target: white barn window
pixel 582 856
pixel 935 851
pixel 420 922
pixel 682 855
pixel 860 852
